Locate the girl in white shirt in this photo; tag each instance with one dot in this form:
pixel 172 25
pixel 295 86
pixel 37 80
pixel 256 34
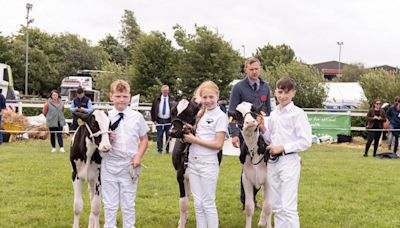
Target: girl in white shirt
pixel 203 165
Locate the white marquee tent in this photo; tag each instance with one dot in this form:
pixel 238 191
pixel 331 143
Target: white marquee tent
pixel 344 94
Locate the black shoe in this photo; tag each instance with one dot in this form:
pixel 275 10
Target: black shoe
pixel 159 151
pixel 365 155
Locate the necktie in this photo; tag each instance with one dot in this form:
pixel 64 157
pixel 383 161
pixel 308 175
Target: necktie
pixel 255 86
pixel 115 124
pixel 164 108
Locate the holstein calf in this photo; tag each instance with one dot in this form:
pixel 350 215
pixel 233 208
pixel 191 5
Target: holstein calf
pixel 85 159
pixel 183 118
pixel 255 156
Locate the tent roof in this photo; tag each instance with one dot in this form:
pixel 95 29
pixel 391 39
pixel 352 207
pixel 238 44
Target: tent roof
pixel 344 93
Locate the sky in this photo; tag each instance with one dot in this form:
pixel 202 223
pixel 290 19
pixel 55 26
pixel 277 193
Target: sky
pixel 368 29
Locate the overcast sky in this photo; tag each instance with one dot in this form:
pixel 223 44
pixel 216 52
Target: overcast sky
pixel 369 29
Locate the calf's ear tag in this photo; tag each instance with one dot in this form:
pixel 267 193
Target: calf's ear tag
pixel 230 119
pixel 263 113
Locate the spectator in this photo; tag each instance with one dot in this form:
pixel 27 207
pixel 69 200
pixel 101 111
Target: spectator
pixel 161 116
pixel 54 111
pixel 80 103
pixel 390 114
pixel 2 108
pixel 376 116
pixel 250 89
pixel 393 114
pixel 222 102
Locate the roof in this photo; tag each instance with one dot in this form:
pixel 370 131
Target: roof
pixel 386 68
pixel 329 65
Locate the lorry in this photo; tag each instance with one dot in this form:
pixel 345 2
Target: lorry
pixel 83 79
pixel 7 83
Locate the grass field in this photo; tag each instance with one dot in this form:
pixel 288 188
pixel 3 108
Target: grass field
pixel 338 188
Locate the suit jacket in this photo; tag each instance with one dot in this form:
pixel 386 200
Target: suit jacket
pixel 156 104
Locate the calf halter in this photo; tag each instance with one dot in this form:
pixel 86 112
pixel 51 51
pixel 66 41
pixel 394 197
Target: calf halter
pixel 94 135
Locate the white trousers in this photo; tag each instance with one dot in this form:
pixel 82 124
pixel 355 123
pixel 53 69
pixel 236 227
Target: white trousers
pixel 284 177
pixel 203 177
pixel 118 189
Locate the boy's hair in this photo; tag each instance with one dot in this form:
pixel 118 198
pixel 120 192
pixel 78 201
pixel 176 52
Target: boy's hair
pixel 286 83
pixel 120 86
pixel 208 85
pixel 250 61
pixel 79 90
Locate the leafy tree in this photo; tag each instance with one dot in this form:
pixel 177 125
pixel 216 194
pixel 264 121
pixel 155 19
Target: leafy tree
pixel 310 91
pixel 114 49
pixel 205 56
pixel 380 84
pixel 352 72
pixel 112 72
pixel 271 57
pixel 153 65
pixel 130 30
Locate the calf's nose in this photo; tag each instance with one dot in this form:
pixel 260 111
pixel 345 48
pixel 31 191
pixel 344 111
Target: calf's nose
pixel 105 147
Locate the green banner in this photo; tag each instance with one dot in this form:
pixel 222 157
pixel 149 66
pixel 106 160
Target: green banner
pixel 330 124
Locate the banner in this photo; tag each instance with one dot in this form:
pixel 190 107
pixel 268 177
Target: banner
pixel 330 124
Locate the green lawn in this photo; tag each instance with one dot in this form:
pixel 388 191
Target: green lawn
pixel 338 188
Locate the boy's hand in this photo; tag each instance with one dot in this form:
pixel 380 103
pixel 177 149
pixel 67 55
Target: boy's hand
pixel 135 161
pixel 261 124
pixel 275 150
pixel 111 136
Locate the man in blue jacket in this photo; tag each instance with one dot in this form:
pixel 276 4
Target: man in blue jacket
pixel 80 103
pixel 254 90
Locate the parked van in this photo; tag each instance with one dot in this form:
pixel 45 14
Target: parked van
pixel 7 83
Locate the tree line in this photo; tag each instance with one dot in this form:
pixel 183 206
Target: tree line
pixel 149 60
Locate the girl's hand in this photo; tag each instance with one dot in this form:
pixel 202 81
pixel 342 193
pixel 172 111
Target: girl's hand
pixel 135 161
pixel 111 136
pixel 189 138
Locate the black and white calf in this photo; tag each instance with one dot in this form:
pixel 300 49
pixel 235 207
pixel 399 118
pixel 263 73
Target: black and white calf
pixel 183 118
pixel 85 159
pixel 255 156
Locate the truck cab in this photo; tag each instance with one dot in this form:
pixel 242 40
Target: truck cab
pixel 70 84
pixel 7 83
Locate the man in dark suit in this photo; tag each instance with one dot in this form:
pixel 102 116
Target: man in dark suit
pixel 161 116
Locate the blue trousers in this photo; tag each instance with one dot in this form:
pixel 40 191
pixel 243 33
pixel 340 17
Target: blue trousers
pixel 53 137
pixel 160 133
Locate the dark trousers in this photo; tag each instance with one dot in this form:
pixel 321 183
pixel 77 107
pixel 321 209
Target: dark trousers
pixel 74 125
pixel 396 140
pixel 53 136
pixel 373 136
pixel 160 133
pixel 242 194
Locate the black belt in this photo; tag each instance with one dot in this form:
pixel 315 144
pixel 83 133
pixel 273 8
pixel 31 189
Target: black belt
pixel 281 154
pixel 163 118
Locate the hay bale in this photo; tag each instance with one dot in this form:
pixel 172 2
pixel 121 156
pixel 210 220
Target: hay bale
pixel 12 118
pixel 358 140
pixel 38 132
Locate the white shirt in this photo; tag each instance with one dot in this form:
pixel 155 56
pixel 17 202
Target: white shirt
pixel 288 126
pixel 126 142
pixel 160 108
pixel 213 121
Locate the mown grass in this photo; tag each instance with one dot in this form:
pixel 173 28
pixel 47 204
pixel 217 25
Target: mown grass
pixel 338 188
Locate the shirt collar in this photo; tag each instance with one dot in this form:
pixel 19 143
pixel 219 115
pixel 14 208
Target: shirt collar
pixel 251 82
pixel 287 108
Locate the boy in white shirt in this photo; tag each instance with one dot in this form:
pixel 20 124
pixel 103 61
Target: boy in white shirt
pixel 288 132
pixel 120 167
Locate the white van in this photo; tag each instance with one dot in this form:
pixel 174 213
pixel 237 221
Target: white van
pixel 6 82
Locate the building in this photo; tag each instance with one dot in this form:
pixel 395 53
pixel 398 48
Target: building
pixel 330 70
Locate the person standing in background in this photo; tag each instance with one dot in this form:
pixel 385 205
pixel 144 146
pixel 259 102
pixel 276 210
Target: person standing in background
pixel 376 116
pixel 161 116
pixel 80 103
pixel 54 111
